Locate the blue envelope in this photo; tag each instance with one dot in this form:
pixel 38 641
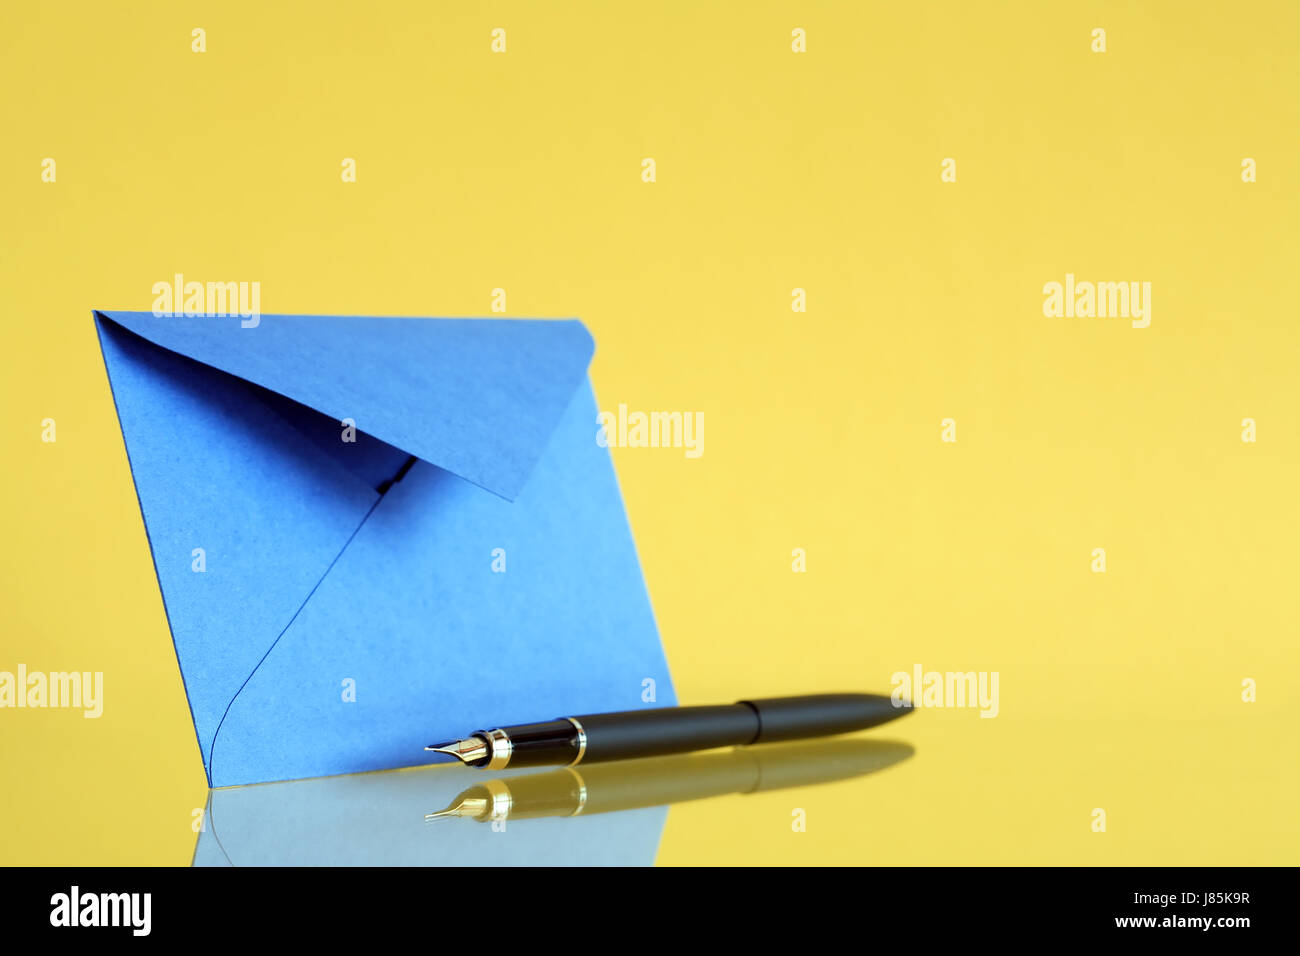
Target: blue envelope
pixel 375 533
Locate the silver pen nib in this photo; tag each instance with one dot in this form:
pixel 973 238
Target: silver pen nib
pixel 468 751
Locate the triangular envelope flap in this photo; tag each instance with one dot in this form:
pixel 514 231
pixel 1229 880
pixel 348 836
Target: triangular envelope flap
pixel 477 397
pixel 244 514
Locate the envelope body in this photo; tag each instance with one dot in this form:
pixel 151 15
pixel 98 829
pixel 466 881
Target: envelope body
pixel 371 534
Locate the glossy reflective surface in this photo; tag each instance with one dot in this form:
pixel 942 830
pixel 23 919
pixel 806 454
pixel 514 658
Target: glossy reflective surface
pixel 611 814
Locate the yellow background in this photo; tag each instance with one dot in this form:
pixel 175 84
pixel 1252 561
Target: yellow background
pixel 775 170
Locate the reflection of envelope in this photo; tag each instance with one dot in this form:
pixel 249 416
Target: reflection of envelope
pixel 337 604
pixel 378 819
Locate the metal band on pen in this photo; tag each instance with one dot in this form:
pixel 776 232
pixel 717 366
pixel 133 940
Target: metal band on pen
pixel 501 746
pixel 582 741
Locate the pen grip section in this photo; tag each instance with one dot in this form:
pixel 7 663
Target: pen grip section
pixel 667 730
pixel 543 744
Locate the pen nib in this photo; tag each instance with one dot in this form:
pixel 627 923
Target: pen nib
pixel 468 751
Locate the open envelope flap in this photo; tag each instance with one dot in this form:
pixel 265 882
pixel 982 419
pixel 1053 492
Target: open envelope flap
pixel 477 397
pixel 243 512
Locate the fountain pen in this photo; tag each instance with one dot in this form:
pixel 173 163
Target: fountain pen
pixel 657 732
pixel 659 781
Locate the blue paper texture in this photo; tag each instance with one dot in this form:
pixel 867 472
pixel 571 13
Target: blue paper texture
pixel 377 819
pixel 479 433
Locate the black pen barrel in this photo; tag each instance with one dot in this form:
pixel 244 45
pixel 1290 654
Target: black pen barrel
pixel 818 715
pixel 657 732
pixel 666 730
pixel 653 733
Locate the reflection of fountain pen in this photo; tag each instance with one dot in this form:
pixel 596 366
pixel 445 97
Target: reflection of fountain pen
pixel 658 781
pixel 670 730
